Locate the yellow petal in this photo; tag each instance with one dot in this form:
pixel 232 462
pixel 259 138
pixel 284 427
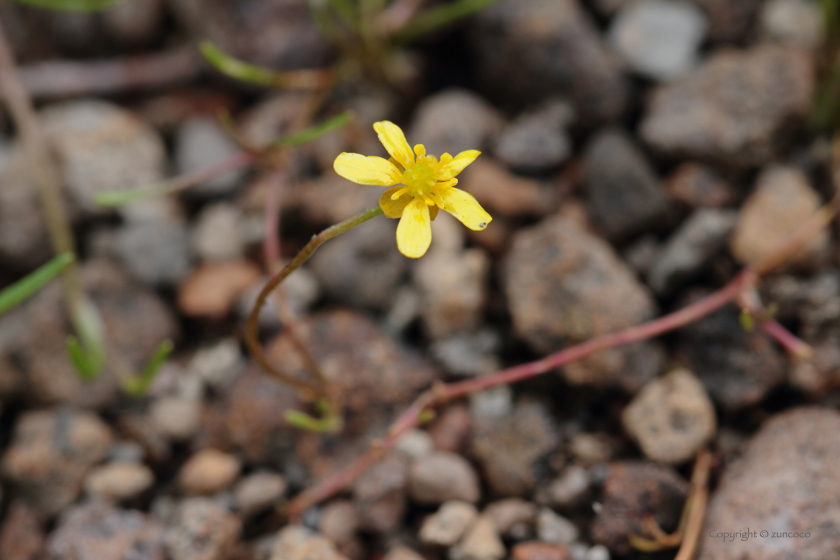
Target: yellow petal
pixel 465 207
pixel 458 164
pixel 393 208
pixel 433 211
pixel 414 233
pixel 393 139
pixel 367 170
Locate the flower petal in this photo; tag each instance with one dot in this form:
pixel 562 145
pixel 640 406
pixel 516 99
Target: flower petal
pixel 367 170
pixel 465 207
pixel 414 233
pixel 393 208
pixel 393 139
pixel 458 164
pixel 433 212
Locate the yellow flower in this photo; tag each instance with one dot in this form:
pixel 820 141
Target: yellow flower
pixel 419 187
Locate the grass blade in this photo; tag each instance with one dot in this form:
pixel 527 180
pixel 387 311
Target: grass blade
pixel 71 5
pixel 23 289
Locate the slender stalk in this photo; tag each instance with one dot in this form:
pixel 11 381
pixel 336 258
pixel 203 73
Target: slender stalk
pixel 307 388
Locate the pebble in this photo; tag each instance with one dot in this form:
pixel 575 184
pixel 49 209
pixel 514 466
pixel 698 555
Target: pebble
pixel 508 448
pixel 209 471
pixel 218 364
pixel 155 251
pixel 730 21
pixel 134 22
pixel 481 542
pixel 21 534
pixel 119 481
pixel 202 530
pixel 402 553
pixel 469 354
pixel 452 121
pixel 453 291
pixel 536 550
pixel 622 190
pixel 571 489
pixel 97 531
pixel 212 290
pixel 496 402
pixel 301 288
pixel 442 477
pixel 339 521
pixel 671 418
pixel 380 495
pixel 258 492
pixel 700 238
pixel 446 526
pixel 536 141
pixel 175 418
pixel 735 109
pixel 659 39
pixel 295 542
pixel 50 453
pixel 555 529
pixel 598 552
pixel 786 481
pixel 564 285
pixel 511 40
pixel 201 142
pixel 513 517
pixel 633 490
pixel 503 194
pixel 216 235
pixel 451 428
pixel 641 254
pixel 699 186
pixel 795 22
pixel 415 444
pixel 592 448
pixel 782 202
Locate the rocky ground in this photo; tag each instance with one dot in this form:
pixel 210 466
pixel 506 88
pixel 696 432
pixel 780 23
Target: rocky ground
pixel 636 154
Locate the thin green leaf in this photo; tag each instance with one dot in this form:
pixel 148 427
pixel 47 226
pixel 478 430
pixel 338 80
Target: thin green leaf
pixel 436 18
pixel 139 385
pixel 88 351
pixel 237 69
pixel 330 421
pixel 87 368
pixel 23 289
pixel 114 199
pixel 71 5
pixel 315 132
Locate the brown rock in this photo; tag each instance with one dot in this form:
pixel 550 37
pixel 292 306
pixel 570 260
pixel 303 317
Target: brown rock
pixel 446 526
pixel 513 517
pixel 209 471
pixel 481 542
pixel 202 530
pixel 730 21
pixel 119 481
pixel 786 482
pixel 633 490
pixel 299 543
pixel 536 550
pixel 698 186
pixel 212 290
pixel 22 534
pixel 502 193
pixel 570 489
pixel 339 521
pixel 782 202
pixel 380 494
pixel 402 553
pixel 441 477
pixel 450 430
pixel 258 492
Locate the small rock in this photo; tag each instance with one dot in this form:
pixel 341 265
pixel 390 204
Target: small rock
pixel 402 553
pixel 592 449
pixel 536 550
pixel 536 141
pixel 671 418
pixel 737 109
pixel 598 552
pixel 564 285
pixel 258 492
pixel 782 202
pixel 453 291
pixel 797 22
pixel 21 535
pixel 632 491
pixel 119 481
pixel 202 530
pixel 701 237
pixel 641 254
pixel 570 489
pixel 415 444
pixel 295 542
pixel 481 542
pixel 339 521
pixel 730 21
pixel 301 289
pixel 528 50
pixel 698 186
pixel 201 143
pixel 448 524
pixel 504 194
pixel 450 430
pixel 442 477
pixel 155 251
pixel 175 418
pixel 216 236
pixel 97 531
pixel 555 529
pixel 508 447
pixel 134 22
pixel 659 39
pixel 786 481
pixel 513 517
pixel 209 471
pixel 212 289
pixel 496 402
pixel 453 121
pixel 622 189
pixel 380 494
pixel 469 355
pixel 50 453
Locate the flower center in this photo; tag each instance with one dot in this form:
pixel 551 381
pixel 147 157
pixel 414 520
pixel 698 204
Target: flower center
pixel 420 177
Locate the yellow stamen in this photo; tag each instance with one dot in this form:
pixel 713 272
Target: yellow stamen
pixel 400 192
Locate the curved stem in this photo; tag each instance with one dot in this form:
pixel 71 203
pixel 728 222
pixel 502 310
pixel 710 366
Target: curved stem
pixel 308 389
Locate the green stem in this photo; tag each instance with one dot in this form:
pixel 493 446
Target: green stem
pixel 308 389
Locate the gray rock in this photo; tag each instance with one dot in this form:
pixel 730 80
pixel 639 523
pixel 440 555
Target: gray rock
pixel 699 186
pixel 302 290
pixel 659 39
pixel 496 402
pixel 380 495
pixel 175 418
pixel 216 235
pixel 701 237
pixel 202 530
pixel 415 444
pixel 737 109
pixel 570 489
pixel 119 481
pixel 339 521
pixel 448 524
pixel 134 22
pixel 671 418
pixel 555 529
pixel 564 285
pixel 258 492
pixel 155 251
pixel 295 542
pixel 598 552
pixel 201 143
pixel 536 141
pixel 797 22
pixel 786 482
pixel 527 50
pixel 468 355
pixel 513 517
pixel 453 121
pixel 96 531
pixel 442 477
